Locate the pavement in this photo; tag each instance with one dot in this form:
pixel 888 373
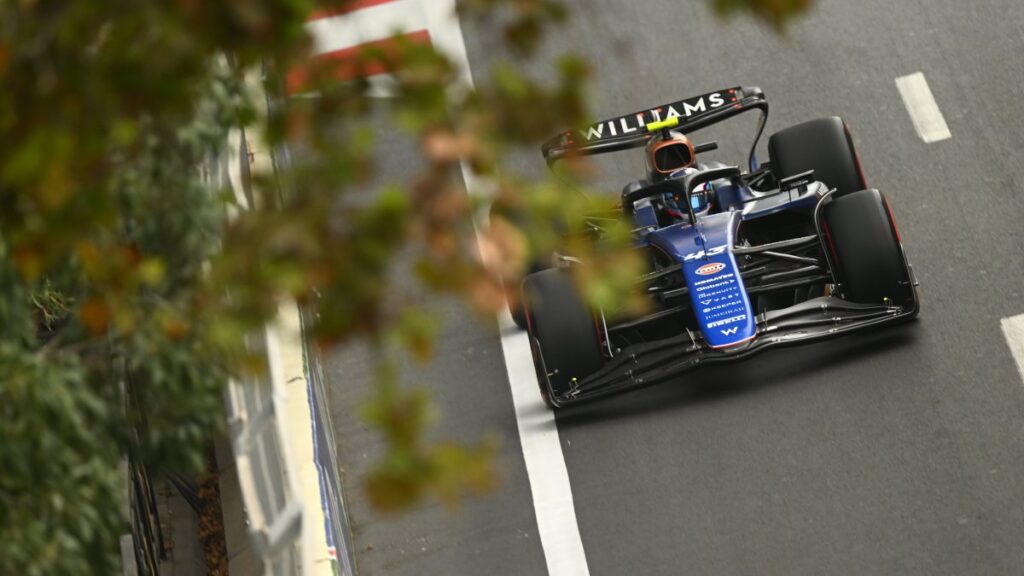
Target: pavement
pixel 891 452
pixel 179 523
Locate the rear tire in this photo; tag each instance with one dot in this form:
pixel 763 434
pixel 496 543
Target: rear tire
pixel 518 313
pixel 823 145
pixel 515 293
pixel 562 331
pixel 868 256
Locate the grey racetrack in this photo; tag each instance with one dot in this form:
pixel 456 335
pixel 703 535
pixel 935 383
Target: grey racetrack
pixel 892 452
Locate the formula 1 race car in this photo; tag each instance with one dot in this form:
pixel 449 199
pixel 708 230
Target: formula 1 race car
pixel 795 250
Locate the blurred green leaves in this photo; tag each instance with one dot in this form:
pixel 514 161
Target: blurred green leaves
pixel 115 248
pixel 106 112
pixel 59 470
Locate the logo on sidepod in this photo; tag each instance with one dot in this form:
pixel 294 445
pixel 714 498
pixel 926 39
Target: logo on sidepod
pixel 708 269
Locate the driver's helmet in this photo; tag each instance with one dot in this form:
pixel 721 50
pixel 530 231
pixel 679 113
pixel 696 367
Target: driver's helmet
pixel 672 156
pixel 668 153
pixel 675 205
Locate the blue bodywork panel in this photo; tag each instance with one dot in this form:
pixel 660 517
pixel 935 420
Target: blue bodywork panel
pixel 719 299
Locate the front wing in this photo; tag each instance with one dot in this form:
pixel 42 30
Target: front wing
pixel 651 362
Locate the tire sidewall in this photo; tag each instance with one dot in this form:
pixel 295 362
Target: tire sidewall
pixel 562 331
pixel 867 255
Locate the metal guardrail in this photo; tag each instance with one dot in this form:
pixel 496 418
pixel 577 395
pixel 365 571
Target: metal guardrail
pixel 143 548
pixel 267 476
pixel 339 538
pixel 261 457
pixel 325 450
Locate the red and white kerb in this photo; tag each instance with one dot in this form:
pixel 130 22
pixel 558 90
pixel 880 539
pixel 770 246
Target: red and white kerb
pixel 340 34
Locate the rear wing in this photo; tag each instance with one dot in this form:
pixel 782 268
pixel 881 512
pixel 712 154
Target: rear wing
pixel 634 130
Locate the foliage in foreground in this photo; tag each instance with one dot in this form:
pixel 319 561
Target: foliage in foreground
pixel 117 263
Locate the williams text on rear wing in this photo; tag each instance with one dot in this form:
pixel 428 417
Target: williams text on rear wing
pixel 630 131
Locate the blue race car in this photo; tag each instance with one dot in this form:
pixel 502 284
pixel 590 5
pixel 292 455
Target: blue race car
pixel 792 251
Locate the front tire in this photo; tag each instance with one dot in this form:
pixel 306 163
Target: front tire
pixel 868 257
pixel 562 332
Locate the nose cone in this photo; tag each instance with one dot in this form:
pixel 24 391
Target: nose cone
pixel 719 300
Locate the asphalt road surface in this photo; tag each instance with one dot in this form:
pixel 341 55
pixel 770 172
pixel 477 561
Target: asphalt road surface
pixel 893 452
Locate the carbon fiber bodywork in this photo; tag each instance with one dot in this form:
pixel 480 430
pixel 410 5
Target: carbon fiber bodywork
pixel 652 362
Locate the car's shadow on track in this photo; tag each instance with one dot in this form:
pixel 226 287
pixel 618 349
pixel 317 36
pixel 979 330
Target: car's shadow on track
pixel 718 381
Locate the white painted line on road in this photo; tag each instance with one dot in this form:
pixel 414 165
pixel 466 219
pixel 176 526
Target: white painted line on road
pixel 542 449
pixel 542 452
pixel 1013 330
pixel 924 111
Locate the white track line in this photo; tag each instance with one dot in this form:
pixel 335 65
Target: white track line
pixel 921 106
pixel 1013 330
pixel 542 450
pixel 545 465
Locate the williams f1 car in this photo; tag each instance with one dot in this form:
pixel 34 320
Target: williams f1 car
pixel 795 250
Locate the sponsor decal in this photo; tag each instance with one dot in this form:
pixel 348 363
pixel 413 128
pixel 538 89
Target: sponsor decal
pixel 730 311
pixel 732 305
pixel 732 320
pixel 715 279
pixel 733 293
pixel 730 331
pixel 724 299
pixel 708 269
pixel 682 109
pixel 716 284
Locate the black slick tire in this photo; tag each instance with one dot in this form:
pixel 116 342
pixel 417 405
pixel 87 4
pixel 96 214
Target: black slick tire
pixel 515 307
pixel 866 250
pixel 823 145
pixel 518 313
pixel 562 332
pixel 515 298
